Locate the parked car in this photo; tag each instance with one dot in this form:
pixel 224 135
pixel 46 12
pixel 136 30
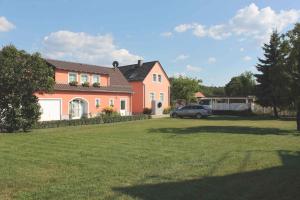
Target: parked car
pixel 197 111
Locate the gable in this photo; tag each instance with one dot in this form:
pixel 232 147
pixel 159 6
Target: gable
pixel 135 72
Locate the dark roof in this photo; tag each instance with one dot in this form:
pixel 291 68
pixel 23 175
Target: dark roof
pixel 116 77
pixel 67 87
pixel 135 72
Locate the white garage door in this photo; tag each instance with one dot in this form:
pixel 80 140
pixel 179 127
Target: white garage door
pixel 50 109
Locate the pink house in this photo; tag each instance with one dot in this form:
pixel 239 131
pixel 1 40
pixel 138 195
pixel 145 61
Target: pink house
pixel 150 85
pixel 98 87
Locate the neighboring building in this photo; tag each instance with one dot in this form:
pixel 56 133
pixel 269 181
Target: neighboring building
pixel 150 85
pixel 73 102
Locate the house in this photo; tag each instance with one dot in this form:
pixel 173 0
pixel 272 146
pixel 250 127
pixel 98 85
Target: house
pixel 150 85
pixel 199 95
pixel 98 87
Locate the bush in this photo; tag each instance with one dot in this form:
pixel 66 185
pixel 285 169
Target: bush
pixel 73 83
pixel 96 84
pixel 103 119
pixel 108 110
pixel 167 110
pixel 147 111
pixel 86 84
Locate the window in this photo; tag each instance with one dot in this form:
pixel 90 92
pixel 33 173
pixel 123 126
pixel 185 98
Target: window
pixel 161 97
pixel 97 103
pixel 152 96
pixel 111 103
pixel 159 78
pixel 84 78
pixel 72 77
pixel 154 77
pixel 96 78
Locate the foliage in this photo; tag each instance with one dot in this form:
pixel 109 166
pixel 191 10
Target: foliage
pixel 86 84
pixel 21 76
pixel 108 110
pixel 96 84
pixel 271 89
pixel 212 91
pixel 242 85
pixel 102 119
pixel 294 69
pixel 184 88
pixel 167 110
pixel 73 83
pixel 147 111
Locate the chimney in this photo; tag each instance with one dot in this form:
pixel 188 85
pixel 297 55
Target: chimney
pixel 140 63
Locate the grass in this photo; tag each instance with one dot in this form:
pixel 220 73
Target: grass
pixel 215 158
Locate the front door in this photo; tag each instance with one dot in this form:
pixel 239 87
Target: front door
pixel 77 109
pixel 123 107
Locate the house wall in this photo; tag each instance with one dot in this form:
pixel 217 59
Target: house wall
pixel 90 97
pixel 157 87
pixel 62 76
pixel 138 96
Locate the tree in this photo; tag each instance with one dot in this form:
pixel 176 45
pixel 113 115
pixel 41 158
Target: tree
pixel 242 85
pixel 184 88
pixel 271 89
pixel 294 69
pixel 212 90
pixel 21 76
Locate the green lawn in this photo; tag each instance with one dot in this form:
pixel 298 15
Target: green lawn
pixel 215 158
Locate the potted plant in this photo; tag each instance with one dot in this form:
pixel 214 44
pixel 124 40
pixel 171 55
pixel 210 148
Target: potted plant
pixel 85 84
pixel 73 83
pixel 96 84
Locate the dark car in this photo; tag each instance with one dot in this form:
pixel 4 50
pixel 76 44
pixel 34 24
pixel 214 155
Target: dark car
pixel 197 111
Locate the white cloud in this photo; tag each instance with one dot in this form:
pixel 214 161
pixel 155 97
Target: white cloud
pixel 247 58
pixel 181 57
pixel 191 68
pixel 248 22
pixel 242 49
pixel 212 60
pixel 5 25
pixel 83 47
pixel 166 34
pixel 177 74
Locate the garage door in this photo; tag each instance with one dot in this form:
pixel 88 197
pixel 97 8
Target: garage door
pixel 50 109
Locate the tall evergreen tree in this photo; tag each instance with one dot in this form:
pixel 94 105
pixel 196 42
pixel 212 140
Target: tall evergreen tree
pixel 294 66
pixel 271 90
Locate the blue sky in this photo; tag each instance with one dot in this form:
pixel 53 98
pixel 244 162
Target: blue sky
pixel 207 39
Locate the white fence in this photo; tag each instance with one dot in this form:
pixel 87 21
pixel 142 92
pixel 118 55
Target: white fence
pixel 228 103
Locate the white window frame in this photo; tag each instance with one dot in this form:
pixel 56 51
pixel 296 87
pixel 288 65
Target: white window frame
pixel 81 78
pixel 97 99
pixel 113 101
pixel 153 95
pixel 73 73
pixel 96 75
pixel 159 75
pixel 163 95
pixel 155 78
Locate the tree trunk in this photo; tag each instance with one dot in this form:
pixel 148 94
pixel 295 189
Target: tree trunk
pixel 275 111
pixel 298 119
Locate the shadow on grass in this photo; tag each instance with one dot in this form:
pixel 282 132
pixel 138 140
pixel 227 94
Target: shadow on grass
pixel 224 129
pixel 282 182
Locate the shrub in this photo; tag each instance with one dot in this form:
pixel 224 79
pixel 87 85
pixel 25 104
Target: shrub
pixel 147 111
pixel 96 84
pixel 86 121
pixel 73 83
pixel 86 84
pixel 108 110
pixel 167 110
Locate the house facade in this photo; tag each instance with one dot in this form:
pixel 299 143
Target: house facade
pixel 97 87
pixel 150 85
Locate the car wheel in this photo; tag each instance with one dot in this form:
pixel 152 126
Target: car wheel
pixel 198 116
pixel 174 115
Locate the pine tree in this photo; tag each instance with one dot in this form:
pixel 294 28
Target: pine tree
pixel 271 90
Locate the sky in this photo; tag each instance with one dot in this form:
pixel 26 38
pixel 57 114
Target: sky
pixel 211 40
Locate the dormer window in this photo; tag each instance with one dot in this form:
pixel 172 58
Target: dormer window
pixel 72 77
pixel 154 78
pixel 84 78
pixel 96 78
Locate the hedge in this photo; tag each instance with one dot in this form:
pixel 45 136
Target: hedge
pixel 86 121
